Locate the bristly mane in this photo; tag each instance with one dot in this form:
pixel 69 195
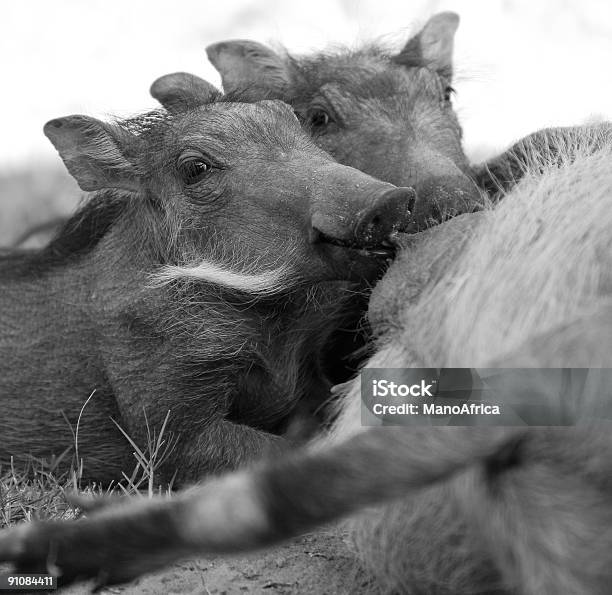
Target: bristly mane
pixel 78 236
pixel 84 230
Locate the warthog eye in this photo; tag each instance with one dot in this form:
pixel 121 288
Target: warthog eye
pixel 193 168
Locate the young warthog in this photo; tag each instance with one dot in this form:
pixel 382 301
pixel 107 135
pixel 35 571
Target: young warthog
pixel 387 114
pixel 507 510
pixel 203 278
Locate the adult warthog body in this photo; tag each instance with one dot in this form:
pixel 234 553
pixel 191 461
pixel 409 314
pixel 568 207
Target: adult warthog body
pixel 468 510
pixel 201 281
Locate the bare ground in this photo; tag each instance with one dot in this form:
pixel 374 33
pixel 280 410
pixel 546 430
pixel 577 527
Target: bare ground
pixel 318 563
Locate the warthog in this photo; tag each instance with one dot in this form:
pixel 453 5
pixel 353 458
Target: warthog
pixel 389 114
pixel 204 277
pixel 468 510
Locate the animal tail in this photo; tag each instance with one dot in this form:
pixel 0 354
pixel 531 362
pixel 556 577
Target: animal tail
pixel 254 508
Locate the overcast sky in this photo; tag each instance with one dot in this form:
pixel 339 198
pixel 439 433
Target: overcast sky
pixel 521 64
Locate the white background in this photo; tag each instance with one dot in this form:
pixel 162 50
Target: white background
pixel 521 64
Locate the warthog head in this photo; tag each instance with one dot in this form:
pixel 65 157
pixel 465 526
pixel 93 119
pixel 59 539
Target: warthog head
pixel 388 114
pixel 235 193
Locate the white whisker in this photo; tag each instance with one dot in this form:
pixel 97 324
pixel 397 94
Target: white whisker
pixel 267 282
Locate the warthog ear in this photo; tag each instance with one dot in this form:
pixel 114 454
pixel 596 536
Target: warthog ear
pixel 249 66
pixel 181 90
pixel 94 152
pixel 433 44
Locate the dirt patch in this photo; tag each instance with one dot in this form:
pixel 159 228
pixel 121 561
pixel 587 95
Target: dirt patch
pixel 318 563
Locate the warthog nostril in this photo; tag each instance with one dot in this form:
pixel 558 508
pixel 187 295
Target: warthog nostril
pixel 389 214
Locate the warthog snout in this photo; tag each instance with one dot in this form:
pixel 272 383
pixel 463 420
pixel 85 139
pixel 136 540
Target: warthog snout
pixel 389 215
pixel 440 198
pixel 371 228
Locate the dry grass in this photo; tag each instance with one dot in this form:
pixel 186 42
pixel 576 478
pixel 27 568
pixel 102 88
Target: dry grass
pixel 39 492
pixel 33 494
